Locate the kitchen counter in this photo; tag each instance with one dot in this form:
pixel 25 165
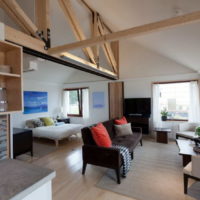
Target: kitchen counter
pixel 19 180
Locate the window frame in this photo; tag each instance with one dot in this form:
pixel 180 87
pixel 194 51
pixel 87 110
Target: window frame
pixel 172 82
pixel 80 100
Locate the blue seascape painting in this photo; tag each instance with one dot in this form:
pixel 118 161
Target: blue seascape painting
pixel 35 102
pixel 98 99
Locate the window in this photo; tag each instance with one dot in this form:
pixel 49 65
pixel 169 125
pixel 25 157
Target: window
pixel 175 98
pixel 74 101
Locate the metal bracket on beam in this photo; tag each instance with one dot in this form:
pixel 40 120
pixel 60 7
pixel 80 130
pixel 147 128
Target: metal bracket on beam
pixel 46 41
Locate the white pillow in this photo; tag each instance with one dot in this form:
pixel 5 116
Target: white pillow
pixel 124 129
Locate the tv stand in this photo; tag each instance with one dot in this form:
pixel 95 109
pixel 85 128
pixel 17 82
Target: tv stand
pixel 139 121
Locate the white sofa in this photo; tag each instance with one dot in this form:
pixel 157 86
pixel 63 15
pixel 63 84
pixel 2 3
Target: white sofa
pixel 187 130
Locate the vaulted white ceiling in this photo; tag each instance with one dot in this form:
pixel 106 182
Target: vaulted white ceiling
pixel 181 43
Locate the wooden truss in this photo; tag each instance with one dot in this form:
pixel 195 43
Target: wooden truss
pixel 36 36
pixel 92 53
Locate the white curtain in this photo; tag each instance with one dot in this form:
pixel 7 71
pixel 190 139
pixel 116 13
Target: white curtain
pixel 156 106
pixel 65 103
pixel 194 107
pixel 85 93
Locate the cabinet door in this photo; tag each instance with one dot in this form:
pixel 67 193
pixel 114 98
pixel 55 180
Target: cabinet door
pixel 116 98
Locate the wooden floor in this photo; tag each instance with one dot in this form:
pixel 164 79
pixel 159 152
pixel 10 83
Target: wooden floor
pixel 69 182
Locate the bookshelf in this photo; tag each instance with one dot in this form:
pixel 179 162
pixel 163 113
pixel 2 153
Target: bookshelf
pixel 11 55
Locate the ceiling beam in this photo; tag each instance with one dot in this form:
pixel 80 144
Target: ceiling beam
pixel 18 15
pixel 131 32
pixel 71 17
pixel 42 14
pixel 22 39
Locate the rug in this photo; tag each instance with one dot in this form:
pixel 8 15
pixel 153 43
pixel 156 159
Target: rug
pixel 156 174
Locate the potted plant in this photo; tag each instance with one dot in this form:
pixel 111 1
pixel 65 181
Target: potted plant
pixel 197 131
pixel 164 114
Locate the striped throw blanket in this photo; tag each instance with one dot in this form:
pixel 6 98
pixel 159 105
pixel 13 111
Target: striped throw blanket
pixel 126 158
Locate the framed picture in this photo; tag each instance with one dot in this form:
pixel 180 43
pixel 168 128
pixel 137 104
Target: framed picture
pixel 35 102
pixel 98 99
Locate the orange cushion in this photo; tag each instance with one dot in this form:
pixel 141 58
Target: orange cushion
pixel 101 136
pixel 121 121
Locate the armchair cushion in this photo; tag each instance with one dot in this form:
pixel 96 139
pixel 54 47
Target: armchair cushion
pixel 121 121
pixel 124 129
pixel 188 126
pixel 129 141
pixel 101 136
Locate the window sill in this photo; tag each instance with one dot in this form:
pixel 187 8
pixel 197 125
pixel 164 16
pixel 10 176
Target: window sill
pixel 177 120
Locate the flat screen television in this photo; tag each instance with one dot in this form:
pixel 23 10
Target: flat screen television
pixel 137 107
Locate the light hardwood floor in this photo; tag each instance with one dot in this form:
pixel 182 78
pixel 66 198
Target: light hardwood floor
pixel 69 182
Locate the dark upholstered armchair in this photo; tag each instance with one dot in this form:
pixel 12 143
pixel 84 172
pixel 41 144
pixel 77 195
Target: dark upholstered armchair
pixel 108 157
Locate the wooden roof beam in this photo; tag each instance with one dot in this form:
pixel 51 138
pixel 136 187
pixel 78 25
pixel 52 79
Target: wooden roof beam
pixel 131 32
pixel 71 17
pixel 20 38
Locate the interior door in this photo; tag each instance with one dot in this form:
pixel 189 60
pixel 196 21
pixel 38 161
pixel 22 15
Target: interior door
pixel 116 98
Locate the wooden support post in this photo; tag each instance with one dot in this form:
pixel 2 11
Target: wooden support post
pixel 70 15
pixel 42 13
pixel 95 32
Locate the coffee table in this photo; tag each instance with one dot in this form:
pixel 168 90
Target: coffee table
pixel 186 150
pixel 162 135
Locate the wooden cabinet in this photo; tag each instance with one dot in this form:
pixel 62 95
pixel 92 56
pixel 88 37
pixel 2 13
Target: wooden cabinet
pixel 4 137
pixel 10 91
pixel 22 141
pixel 11 55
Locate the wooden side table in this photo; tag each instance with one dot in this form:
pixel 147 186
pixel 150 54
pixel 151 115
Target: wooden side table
pixel 162 135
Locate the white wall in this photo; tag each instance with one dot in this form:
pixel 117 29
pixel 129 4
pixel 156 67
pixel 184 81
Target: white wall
pixel 137 61
pixel 96 114
pixel 54 101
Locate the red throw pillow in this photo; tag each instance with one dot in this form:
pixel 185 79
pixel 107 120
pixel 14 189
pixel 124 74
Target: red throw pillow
pixel 121 121
pixel 101 136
